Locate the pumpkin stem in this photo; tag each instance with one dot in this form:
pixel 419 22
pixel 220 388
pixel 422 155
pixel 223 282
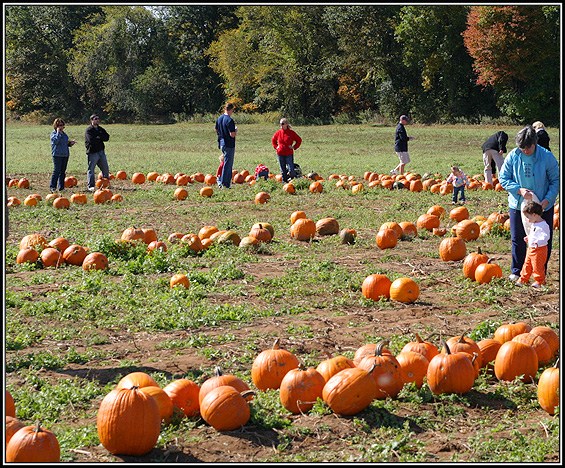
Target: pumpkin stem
pixel 479 250
pixel 418 339
pixel 556 364
pixel 462 337
pixel 247 393
pixel 218 372
pixel 444 345
pixel 328 354
pixel 277 343
pixel 379 347
pixel 37 427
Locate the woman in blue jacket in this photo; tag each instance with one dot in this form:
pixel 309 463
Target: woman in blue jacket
pixel 528 170
pixel 60 145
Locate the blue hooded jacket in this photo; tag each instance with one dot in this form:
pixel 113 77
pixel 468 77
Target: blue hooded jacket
pixel 545 175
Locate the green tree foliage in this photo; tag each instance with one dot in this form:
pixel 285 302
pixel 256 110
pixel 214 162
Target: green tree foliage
pixel 516 51
pixel 38 42
pixel 433 49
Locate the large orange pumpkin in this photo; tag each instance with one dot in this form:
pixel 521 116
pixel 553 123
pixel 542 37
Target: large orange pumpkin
pixel 386 371
pixel 485 272
pixel 516 359
pixel 74 254
pixel 549 335
pixel 128 422
pixel 225 408
pixel 219 379
pixel 541 347
pixel 350 391
pixel 303 229
pixel 414 367
pixel 27 255
pixel 548 389
pixel 95 261
pixel 507 331
pixel 300 388
pixel 450 373
pixel 459 214
pixel 468 230
pixel 51 257
pixel 427 221
pixel 471 262
pixel 387 238
pixel 425 348
pixel 137 379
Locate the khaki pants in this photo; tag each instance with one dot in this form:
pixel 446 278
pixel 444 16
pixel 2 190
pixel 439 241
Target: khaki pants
pixel 488 156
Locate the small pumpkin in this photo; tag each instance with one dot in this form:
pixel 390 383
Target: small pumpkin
pixel 33 240
pixel 262 198
pixel 219 379
pixel 33 444
pixel 468 230
pixel 541 347
pixel 95 261
pixel 51 257
pixel 350 391
pixel 485 272
pixel 450 372
pixel 327 226
pixel 332 365
pixel 507 331
pixel 74 254
pixel 316 187
pixel 452 249
pixel 516 359
pixel 549 335
pixel 489 348
pixel 386 371
pixel 427 221
pixel 300 388
pixel 404 290
pixel 179 279
pixel 386 238
pixel 347 236
pixel 271 365
pixel 13 425
pixel 163 400
pixel 463 343
pixel 548 388
pixel 414 367
pixel 408 229
pixel 260 233
pixel 459 214
pixel 425 348
pixel 472 261
pixel 27 255
pixel 303 229
pixel 376 286
pixel 297 215
pixel 10 405
pixel 225 408
pixel 137 379
pixel 184 394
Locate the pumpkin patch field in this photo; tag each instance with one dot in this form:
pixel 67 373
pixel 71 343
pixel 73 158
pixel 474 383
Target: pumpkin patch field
pixel 346 316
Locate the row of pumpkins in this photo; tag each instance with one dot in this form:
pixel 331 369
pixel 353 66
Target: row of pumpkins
pixel 130 416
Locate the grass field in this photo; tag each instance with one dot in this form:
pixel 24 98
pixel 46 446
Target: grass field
pixel 70 334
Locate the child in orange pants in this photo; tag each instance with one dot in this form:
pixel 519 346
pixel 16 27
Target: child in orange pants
pixel 536 239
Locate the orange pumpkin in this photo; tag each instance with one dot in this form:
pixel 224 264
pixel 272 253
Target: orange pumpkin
pixel 296 215
pixel 425 348
pixel 471 262
pixel 427 221
pixel 459 214
pixel 139 178
pixel 180 194
pixel 137 379
pixel 332 365
pixel 548 389
pixel 206 191
pixel 226 409
pixel 386 371
pixel 394 226
pixel 450 372
pixel 163 400
pixel 452 249
pixel 271 365
pixel 10 405
pixel 541 347
pixel 516 359
pixel 95 261
pixel 507 331
pixel 404 290
pixel 184 394
pixel 262 198
pixel 179 279
pixel 548 335
pixel 33 444
pixel 489 348
pixel 316 187
pixel 376 286
pixel 13 425
pixel 219 379
pixel 300 388
pixel 414 367
pixel 408 229
pixel 485 272
pixel 350 391
pixel 303 229
pixel 468 230
pixel 51 257
pixel 27 255
pixel 74 254
pixel 387 238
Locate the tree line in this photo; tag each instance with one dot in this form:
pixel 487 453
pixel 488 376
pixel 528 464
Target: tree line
pixel 437 63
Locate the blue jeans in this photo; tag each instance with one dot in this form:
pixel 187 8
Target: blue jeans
pixel 519 246
pixel 286 164
pixel 459 190
pixel 97 159
pixel 264 174
pixel 59 168
pixel 225 178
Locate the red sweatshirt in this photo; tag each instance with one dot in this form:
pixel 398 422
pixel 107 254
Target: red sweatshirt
pixel 284 139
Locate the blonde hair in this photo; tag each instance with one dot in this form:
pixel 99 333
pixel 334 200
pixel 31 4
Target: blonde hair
pixel 285 121
pixel 537 125
pixel 221 157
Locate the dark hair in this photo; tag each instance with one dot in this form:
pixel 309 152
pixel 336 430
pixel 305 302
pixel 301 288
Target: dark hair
pixel 526 137
pixel 532 207
pixel 93 115
pixel 58 122
pixel 229 106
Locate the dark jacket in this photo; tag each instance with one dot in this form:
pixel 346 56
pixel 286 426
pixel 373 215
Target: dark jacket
pixel 543 138
pixel 496 142
pixel 94 139
pixel 400 139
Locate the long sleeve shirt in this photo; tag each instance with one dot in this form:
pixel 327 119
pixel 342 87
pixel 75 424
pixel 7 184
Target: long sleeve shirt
pixel 284 139
pixel 94 139
pixel 59 144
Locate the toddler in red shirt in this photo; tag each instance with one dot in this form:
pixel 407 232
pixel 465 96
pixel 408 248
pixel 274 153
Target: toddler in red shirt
pixel 261 171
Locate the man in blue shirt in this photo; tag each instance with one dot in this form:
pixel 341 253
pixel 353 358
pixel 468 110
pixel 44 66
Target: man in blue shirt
pixel 226 130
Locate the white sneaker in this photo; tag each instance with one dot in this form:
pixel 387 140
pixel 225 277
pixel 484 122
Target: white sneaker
pixel 394 172
pixel 513 277
pixel 91 189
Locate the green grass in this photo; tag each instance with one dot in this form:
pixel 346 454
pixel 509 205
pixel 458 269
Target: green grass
pixel 68 320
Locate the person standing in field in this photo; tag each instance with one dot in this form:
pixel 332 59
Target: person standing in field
pixel 60 145
pixel 543 136
pixel 459 180
pixel 493 150
pixel 401 140
pixel 529 170
pixel 285 141
pixel 94 139
pixel 227 131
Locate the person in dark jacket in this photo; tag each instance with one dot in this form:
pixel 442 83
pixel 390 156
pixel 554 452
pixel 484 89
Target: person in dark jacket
pixel 543 137
pixel 401 140
pixel 493 150
pixel 94 139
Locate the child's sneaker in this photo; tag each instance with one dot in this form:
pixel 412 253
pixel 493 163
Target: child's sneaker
pixel 394 172
pixel 517 283
pixel 536 285
pixel 454 203
pixel 462 202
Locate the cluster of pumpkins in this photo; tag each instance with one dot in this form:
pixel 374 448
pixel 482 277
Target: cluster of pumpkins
pixel 129 418
pixel 58 252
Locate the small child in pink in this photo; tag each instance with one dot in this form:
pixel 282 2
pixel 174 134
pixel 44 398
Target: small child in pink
pixel 459 181
pixel 537 240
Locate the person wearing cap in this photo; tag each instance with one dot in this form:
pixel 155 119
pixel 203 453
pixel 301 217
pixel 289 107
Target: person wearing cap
pixel 94 139
pixel 401 140
pixel 543 137
pixel 493 150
